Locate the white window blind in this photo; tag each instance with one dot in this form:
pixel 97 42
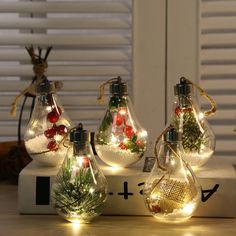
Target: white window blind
pixel 218 67
pixel 92 42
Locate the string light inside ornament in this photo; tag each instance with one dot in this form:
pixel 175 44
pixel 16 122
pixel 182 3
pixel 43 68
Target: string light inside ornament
pixel 120 140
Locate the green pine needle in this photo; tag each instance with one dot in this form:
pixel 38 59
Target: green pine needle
pixel 74 195
pixel 192 138
pixel 103 134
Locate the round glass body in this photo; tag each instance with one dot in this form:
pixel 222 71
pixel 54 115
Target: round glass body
pixel 120 140
pixel 80 189
pixel 198 138
pixel 45 131
pixel 171 192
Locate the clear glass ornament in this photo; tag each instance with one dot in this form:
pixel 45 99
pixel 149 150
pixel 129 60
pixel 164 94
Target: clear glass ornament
pixel 47 127
pixel 80 189
pixel 120 140
pixel 171 192
pixel 198 138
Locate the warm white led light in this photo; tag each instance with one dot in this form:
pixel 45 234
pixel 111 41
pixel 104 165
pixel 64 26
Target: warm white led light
pixel 48 108
pixel 91 190
pixel 114 139
pixel 154 196
pixel 172 162
pixel 76 222
pixel 58 138
pixel 188 209
pixel 122 112
pixel 80 160
pixel 143 134
pixel 31 132
pixel 114 168
pixel 201 115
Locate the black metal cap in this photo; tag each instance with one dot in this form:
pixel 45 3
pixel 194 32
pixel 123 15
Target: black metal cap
pixel 80 136
pixel 119 88
pixel 172 135
pixel 183 88
pixel 46 86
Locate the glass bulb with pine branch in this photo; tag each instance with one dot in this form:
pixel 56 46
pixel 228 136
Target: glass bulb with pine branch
pixel 198 138
pixel 80 189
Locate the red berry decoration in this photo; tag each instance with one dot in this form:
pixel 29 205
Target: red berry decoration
pixel 188 110
pixel 156 209
pixel 119 119
pixel 53 117
pixel 86 162
pixel 52 145
pixel 129 132
pixel 61 129
pixel 122 146
pixel 178 111
pixel 50 133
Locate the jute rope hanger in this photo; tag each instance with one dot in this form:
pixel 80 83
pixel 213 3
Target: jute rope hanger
pixel 204 94
pixel 39 67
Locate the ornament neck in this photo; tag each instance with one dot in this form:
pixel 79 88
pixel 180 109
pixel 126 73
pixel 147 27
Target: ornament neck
pixel 47 99
pixel 116 101
pixel 119 97
pixel 169 151
pixel 174 150
pixel 183 101
pixel 81 148
pixel 174 145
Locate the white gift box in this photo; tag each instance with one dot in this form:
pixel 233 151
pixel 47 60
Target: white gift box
pixel 125 186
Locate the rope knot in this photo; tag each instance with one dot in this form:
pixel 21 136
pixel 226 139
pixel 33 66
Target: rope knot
pixel 40 68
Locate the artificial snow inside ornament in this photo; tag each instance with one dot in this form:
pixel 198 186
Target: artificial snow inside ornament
pixel 80 188
pixel 120 140
pixel 171 192
pixel 198 138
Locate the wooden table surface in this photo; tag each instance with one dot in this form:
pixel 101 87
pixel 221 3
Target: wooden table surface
pixel 11 223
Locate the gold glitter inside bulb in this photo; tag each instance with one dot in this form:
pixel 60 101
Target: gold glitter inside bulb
pixel 174 194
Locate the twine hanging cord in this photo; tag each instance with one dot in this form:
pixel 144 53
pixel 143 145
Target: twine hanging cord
pixel 40 66
pixel 174 152
pixel 14 104
pixel 204 94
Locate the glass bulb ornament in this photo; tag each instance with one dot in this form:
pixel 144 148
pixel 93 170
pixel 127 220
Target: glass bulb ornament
pixel 47 127
pixel 80 188
pixel 120 140
pixel 171 192
pixel 198 138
